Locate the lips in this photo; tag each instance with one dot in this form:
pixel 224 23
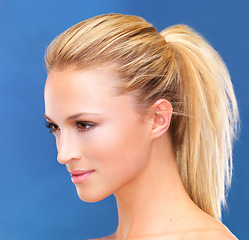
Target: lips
pixel 80 176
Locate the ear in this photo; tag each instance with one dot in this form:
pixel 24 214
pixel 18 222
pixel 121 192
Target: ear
pixel 162 113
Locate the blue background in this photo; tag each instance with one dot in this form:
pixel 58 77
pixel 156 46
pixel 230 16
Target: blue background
pixel 37 198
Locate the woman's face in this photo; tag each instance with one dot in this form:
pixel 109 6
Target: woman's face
pixel 99 136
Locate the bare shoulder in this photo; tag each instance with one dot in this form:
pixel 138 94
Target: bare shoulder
pixel 215 231
pixel 203 234
pixel 209 228
pixel 203 226
pixel 215 234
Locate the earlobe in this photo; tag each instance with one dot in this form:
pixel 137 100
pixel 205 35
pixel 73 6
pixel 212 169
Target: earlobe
pixel 162 113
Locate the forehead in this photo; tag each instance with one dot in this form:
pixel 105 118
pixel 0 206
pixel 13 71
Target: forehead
pixel 72 79
pixel 70 91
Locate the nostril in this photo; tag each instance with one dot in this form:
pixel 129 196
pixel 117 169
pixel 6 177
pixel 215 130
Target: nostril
pixel 61 160
pixel 68 147
pixel 64 157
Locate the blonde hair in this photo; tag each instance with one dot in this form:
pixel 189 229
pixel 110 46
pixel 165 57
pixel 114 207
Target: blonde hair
pixel 180 66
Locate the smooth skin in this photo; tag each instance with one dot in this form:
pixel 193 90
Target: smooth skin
pixel 96 129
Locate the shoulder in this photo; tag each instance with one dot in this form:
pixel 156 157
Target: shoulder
pixel 215 234
pixel 206 228
pixel 222 235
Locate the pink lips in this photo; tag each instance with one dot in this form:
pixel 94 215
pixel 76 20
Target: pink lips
pixel 80 176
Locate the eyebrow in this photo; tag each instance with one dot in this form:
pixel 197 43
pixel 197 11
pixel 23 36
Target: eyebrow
pixel 74 116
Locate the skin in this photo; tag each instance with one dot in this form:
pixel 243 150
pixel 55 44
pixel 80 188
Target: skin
pixel 96 129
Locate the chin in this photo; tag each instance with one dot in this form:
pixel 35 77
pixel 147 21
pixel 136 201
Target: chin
pixel 91 197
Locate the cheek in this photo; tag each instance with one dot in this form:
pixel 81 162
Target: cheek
pixel 119 152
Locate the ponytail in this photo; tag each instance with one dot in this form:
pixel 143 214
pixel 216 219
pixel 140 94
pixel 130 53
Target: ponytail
pixel 205 120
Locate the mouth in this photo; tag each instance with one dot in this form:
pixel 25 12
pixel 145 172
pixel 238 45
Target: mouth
pixel 80 176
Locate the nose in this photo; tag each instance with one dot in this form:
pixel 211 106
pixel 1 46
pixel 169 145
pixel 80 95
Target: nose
pixel 68 148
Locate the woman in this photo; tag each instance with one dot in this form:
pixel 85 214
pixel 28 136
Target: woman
pixel 147 116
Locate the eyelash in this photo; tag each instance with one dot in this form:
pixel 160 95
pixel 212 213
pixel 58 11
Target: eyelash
pixel 52 127
pixel 84 126
pixel 81 126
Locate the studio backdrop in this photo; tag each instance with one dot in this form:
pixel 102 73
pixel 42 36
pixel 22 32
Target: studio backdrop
pixel 37 199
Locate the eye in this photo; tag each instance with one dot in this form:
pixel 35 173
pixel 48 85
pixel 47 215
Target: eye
pixel 52 127
pixel 84 126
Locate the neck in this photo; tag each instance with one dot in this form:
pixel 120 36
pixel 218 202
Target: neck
pixel 152 203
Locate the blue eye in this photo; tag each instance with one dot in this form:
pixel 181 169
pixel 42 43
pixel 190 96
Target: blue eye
pixel 84 126
pixel 52 127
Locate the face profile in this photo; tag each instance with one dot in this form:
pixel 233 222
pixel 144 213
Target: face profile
pixel 99 135
pixel 149 117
